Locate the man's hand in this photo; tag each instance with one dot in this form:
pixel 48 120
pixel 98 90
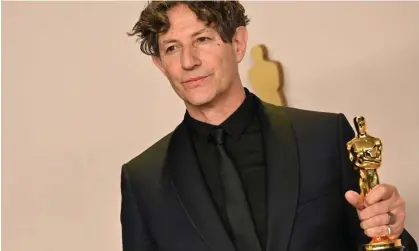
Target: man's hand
pixel 382 208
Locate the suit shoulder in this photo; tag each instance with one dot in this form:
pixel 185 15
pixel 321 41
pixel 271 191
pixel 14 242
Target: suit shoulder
pixel 303 115
pixel 150 158
pixel 313 121
pixel 319 122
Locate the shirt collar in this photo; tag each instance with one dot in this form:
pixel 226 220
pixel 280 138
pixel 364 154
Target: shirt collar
pixel 234 125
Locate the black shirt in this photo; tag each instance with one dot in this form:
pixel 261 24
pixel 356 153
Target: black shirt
pixel 244 145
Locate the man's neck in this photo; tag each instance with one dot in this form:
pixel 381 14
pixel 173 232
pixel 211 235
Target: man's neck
pixel 220 109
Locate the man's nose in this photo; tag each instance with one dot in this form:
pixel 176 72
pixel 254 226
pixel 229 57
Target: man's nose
pixel 190 58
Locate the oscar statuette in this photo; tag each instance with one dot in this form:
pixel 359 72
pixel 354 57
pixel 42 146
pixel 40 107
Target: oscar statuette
pixel 365 153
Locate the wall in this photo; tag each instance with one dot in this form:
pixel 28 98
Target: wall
pixel 79 100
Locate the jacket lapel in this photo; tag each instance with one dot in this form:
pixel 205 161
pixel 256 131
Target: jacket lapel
pixel 188 182
pixel 282 175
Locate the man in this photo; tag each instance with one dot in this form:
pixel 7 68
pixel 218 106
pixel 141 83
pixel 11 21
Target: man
pixel 238 173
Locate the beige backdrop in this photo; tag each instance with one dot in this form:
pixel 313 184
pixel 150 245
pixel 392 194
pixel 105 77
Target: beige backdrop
pixel 79 100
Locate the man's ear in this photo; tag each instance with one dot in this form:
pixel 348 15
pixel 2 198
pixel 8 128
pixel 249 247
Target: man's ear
pixel 157 62
pixel 240 42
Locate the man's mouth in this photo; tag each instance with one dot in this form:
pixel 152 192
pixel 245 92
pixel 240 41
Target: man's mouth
pixel 195 79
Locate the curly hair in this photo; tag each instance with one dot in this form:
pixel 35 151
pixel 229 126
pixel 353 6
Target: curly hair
pixel 225 16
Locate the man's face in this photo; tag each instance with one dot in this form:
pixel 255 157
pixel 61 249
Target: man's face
pixel 196 61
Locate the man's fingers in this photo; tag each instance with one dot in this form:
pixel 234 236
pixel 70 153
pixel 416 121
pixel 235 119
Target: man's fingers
pixel 397 223
pixel 382 207
pixel 377 231
pixel 377 209
pixel 379 193
pixel 376 221
pixel 354 199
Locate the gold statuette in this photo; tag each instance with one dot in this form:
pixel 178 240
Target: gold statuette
pixel 365 152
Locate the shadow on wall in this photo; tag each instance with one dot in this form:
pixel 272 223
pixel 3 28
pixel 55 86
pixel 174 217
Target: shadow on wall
pixel 266 77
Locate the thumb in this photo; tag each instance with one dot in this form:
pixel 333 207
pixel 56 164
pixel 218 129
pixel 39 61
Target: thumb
pixel 354 199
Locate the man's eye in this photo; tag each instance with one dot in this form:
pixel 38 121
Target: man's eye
pixel 203 39
pixel 170 49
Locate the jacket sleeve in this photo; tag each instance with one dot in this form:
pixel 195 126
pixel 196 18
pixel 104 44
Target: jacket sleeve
pixel 135 235
pixel 350 181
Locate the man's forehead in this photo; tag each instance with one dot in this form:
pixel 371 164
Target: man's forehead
pixel 183 24
pixel 188 32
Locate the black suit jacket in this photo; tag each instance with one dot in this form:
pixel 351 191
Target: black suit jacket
pixel 167 206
